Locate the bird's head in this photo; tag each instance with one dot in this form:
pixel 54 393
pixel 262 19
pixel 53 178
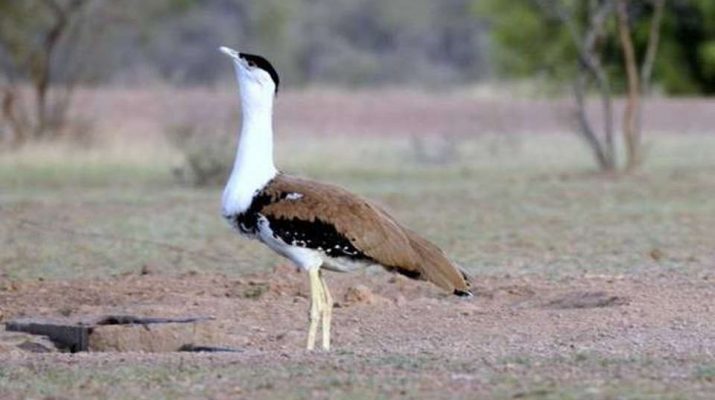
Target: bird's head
pixel 257 79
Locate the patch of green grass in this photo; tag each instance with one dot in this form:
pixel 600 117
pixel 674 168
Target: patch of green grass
pixel 705 373
pixel 592 376
pixel 186 379
pixel 347 376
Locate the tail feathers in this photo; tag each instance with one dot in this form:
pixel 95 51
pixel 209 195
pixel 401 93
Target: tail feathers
pixel 435 267
pixel 468 280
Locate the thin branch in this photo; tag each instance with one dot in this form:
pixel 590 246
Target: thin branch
pixel 586 49
pixel 585 125
pixel 583 46
pixel 653 43
pixel 43 71
pixel 649 58
pixel 597 22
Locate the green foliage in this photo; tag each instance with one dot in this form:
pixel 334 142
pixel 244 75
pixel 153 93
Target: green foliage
pixel 689 36
pixel 528 40
pixel 707 58
pixel 19 26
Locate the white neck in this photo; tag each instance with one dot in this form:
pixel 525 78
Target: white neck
pixel 253 167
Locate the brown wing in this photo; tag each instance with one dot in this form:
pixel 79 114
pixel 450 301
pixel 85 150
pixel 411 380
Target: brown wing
pixel 368 228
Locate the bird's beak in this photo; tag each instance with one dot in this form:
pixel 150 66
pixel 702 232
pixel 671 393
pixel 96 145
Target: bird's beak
pixel 236 56
pixel 229 52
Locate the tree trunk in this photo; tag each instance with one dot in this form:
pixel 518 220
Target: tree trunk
pixel 632 108
pixel 604 89
pixel 14 116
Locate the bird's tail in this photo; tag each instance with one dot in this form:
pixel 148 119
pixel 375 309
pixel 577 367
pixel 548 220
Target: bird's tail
pixel 435 267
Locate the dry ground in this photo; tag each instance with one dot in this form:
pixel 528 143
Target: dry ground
pixel 586 286
pixel 592 335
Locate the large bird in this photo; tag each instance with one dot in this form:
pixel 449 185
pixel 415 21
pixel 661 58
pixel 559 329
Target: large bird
pixel 315 225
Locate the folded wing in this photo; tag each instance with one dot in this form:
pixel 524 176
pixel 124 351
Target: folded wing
pixel 370 231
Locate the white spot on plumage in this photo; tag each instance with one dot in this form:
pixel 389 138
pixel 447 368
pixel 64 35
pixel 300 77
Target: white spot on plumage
pixel 301 256
pixel 294 196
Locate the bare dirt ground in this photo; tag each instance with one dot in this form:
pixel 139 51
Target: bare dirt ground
pixel 519 337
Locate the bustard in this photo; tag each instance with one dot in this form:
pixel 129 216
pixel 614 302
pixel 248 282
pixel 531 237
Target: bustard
pixel 315 225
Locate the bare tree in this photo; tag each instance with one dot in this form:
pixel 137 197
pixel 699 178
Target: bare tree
pixel 31 32
pixel 586 42
pixel 590 69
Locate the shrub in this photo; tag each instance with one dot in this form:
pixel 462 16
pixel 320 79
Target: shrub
pixel 208 154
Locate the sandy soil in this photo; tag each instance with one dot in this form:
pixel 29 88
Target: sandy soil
pixel 524 326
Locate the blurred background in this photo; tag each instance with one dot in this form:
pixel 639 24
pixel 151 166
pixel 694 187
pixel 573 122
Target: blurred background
pixel 118 123
pixel 561 151
pixel 360 43
pixel 62 60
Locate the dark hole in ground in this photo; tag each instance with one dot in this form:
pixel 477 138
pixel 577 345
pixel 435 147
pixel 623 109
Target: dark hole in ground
pixel 75 336
pixel 133 320
pixel 587 300
pixel 207 349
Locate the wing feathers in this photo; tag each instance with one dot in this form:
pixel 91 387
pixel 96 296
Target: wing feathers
pixel 437 268
pixel 369 229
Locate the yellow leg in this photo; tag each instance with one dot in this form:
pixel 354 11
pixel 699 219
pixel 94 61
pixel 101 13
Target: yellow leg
pixel 316 299
pixel 327 313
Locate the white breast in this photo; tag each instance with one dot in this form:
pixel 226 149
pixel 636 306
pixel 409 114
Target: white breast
pixel 241 189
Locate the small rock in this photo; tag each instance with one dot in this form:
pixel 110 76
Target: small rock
pixel 148 269
pixel 657 254
pixel 359 294
pixel 65 311
pixel 400 300
pixel 398 279
pixel 16 342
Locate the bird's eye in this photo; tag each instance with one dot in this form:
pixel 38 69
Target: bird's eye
pixel 251 64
